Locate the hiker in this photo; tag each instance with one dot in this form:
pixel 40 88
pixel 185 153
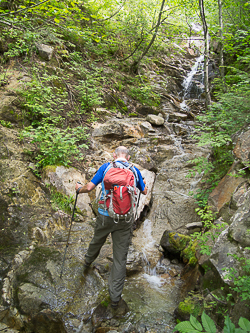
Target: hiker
pixel 108 221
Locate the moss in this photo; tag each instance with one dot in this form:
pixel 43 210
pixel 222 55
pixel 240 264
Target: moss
pixel 50 168
pixel 189 307
pixel 189 254
pixel 105 303
pixel 178 241
pixel 133 114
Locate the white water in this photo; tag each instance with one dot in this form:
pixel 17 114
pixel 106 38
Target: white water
pixel 187 82
pixel 152 297
pixel 154 280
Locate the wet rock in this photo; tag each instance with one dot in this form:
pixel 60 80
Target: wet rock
pixel 155 120
pixel 4 328
pixel 134 262
pixel 105 329
pixel 144 202
pixel 11 317
pixel 45 51
pixel 128 328
pixel 141 328
pixel 47 321
pixel 180 130
pixel 33 299
pixel 221 195
pixel 105 312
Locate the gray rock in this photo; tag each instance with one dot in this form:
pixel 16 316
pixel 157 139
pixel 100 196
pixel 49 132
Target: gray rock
pixel 155 120
pixel 45 51
pixel 117 129
pixel 177 117
pixel 33 299
pixel 64 180
pixel 194 225
pixel 47 321
pixel 145 110
pixel 4 328
pixel 239 228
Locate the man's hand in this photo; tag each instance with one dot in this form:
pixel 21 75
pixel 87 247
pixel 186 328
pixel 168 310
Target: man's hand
pixel 86 188
pixel 78 185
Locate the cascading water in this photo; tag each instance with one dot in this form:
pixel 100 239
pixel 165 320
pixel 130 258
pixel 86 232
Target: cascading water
pixel 153 294
pixel 193 83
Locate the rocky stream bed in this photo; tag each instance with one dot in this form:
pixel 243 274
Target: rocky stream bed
pixel 33 235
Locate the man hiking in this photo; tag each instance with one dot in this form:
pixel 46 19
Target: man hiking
pixel 115 215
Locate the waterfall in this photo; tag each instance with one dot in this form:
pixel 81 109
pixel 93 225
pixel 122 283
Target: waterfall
pixel 193 83
pixel 150 275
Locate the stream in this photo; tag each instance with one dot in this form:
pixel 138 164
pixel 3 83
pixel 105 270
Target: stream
pixel 154 294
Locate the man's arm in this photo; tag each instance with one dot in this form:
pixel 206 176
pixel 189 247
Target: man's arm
pixel 86 188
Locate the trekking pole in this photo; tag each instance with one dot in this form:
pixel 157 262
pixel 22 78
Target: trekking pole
pixel 67 245
pixel 136 215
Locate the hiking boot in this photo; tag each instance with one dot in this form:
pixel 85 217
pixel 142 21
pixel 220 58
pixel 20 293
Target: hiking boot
pixel 86 267
pixel 114 304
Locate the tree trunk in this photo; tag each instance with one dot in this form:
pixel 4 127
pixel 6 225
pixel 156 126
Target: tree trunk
pixel 137 63
pixel 206 53
pixel 222 72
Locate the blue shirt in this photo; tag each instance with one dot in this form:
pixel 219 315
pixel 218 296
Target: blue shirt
pixel 98 178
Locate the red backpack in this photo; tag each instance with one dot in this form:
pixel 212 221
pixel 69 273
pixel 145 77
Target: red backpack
pixel 119 181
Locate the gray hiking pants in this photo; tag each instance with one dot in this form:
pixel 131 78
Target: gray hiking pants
pixel 121 235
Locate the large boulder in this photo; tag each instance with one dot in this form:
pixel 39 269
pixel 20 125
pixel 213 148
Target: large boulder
pixel 220 197
pixel 117 129
pixel 242 148
pixel 155 120
pixel 33 299
pixel 239 228
pixel 45 51
pixel 64 180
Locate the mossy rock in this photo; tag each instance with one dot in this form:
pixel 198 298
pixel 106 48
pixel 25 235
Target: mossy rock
pixel 189 254
pixel 192 305
pixel 182 245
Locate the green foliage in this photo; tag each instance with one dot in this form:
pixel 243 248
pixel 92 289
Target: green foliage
pixel 207 239
pixel 6 123
pixel 144 94
pixel 61 201
pixel 44 99
pixel 241 278
pixel 208 325
pixel 55 146
pixel 89 90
